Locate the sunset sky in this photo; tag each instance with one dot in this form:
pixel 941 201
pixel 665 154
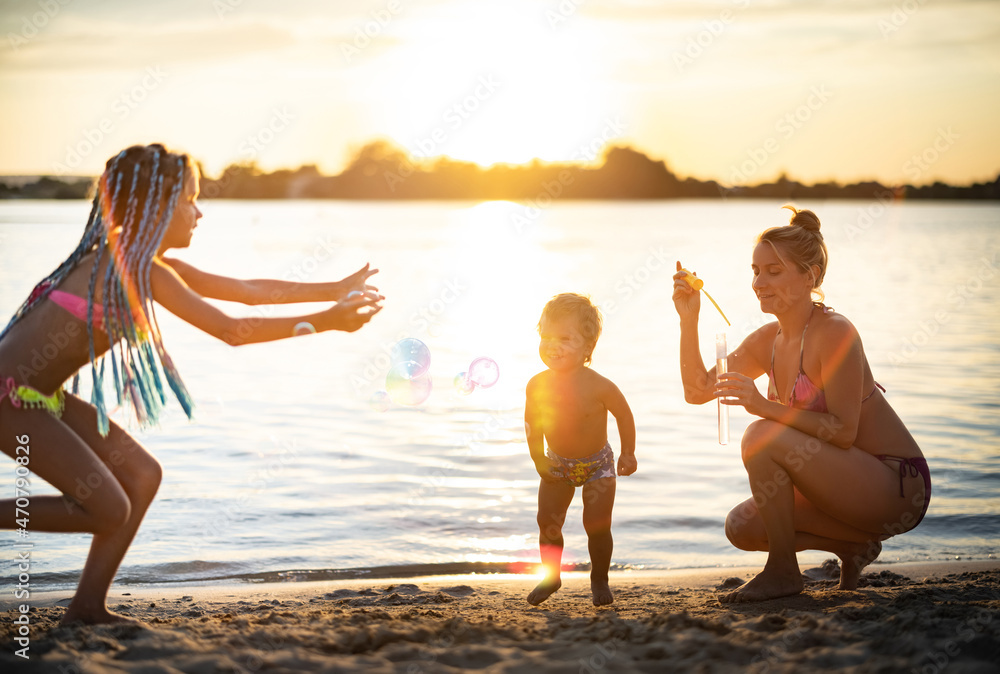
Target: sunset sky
pixel 738 90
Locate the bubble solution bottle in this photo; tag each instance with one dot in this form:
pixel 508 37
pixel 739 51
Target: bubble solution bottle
pixel 720 368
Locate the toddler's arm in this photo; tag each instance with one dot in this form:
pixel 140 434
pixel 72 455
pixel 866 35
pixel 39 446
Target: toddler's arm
pixel 534 431
pixel 619 409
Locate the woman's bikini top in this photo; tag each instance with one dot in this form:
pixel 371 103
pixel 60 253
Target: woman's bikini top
pixel 805 394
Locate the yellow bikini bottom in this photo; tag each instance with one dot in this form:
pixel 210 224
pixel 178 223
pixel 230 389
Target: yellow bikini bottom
pixel 26 396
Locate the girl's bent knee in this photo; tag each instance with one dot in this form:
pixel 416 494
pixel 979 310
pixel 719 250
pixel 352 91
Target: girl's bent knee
pixel 152 475
pixel 143 479
pixel 110 512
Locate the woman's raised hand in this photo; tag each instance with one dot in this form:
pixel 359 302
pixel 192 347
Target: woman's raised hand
pixel 687 300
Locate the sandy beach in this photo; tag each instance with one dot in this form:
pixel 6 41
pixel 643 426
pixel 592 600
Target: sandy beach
pixel 924 618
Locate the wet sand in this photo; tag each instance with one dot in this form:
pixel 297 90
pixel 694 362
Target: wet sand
pixel 926 618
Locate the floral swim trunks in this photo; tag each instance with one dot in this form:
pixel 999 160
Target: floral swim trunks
pixel 578 472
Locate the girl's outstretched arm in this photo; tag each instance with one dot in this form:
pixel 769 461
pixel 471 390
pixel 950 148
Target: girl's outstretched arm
pixel 269 291
pixel 170 290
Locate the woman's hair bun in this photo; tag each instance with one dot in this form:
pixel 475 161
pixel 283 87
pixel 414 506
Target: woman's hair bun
pixel 803 218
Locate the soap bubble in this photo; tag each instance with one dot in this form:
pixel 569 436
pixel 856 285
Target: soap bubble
pixel 463 384
pixel 409 369
pixel 354 293
pixel 412 355
pixel 404 388
pixel 303 328
pixel 379 401
pixel 484 372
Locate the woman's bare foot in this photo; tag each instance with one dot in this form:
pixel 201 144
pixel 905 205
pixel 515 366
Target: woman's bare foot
pixel 543 590
pixel 601 592
pixel 98 617
pixel 854 559
pixel 770 583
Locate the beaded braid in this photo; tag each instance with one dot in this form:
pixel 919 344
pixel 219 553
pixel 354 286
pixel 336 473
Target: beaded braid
pixel 128 220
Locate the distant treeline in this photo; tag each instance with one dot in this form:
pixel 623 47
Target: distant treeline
pixel 381 170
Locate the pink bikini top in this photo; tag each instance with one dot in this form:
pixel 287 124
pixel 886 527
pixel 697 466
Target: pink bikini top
pixel 74 304
pixel 77 306
pixel 805 394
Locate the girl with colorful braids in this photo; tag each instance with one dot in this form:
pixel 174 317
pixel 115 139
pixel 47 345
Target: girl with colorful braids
pixel 97 308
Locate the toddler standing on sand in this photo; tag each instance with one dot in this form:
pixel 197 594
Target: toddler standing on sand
pixel 567 406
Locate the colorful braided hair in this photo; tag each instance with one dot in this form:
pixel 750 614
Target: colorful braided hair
pixel 134 204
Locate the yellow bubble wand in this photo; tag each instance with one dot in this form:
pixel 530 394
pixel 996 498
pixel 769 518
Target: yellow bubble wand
pixel 698 284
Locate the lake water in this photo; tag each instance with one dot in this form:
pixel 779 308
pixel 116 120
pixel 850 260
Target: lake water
pixel 289 471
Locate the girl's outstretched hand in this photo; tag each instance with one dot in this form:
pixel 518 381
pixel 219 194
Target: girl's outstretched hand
pixel 687 300
pixel 734 388
pixel 358 281
pixel 351 314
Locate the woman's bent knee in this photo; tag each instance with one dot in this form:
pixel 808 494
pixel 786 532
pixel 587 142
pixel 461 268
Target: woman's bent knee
pixel 741 526
pixel 760 436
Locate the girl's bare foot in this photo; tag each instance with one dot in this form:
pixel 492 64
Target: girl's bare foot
pixel 602 592
pixel 854 559
pixel 101 616
pixel 543 590
pixel 770 583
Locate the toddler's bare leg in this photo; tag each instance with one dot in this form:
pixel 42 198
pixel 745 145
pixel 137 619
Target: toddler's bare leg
pixel 598 501
pixel 553 501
